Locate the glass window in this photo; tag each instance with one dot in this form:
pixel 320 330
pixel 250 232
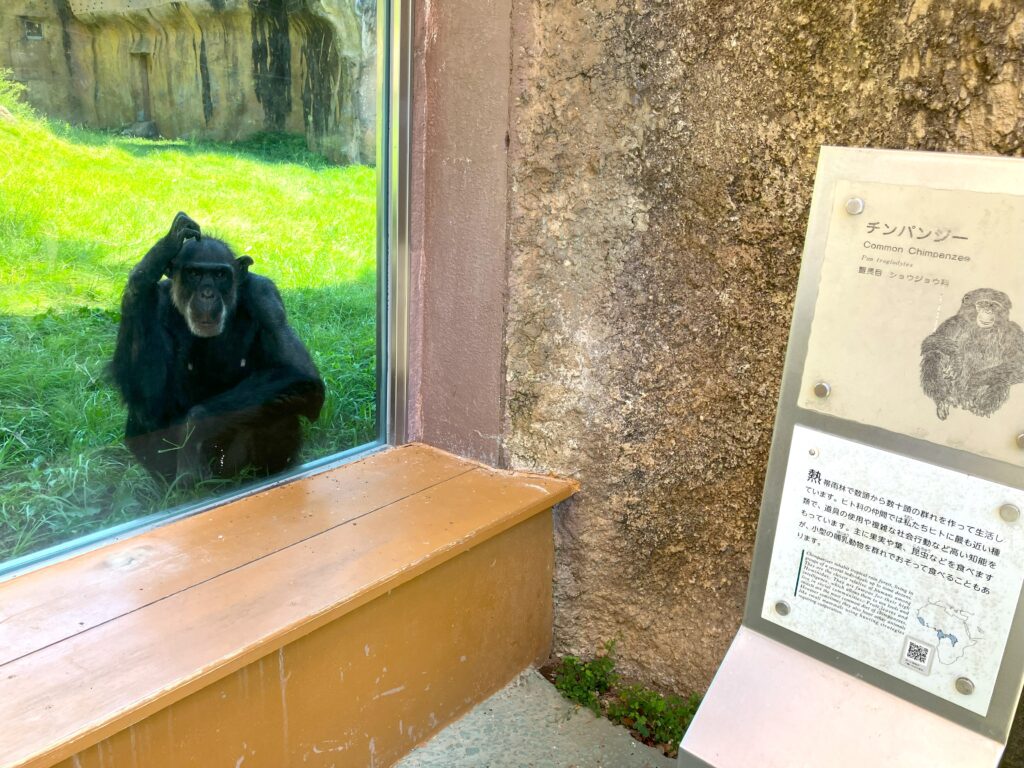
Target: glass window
pixel 189 243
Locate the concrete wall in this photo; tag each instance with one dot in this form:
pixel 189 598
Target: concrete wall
pixel 660 164
pixel 218 69
pixel 662 161
pixel 660 167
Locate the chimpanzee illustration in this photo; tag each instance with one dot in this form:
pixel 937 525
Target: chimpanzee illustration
pixel 974 357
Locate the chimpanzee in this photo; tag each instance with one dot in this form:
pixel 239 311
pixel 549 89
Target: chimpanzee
pixel 213 376
pixel 973 358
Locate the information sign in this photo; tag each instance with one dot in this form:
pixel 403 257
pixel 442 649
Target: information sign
pixel 910 568
pixel 884 620
pixel 917 324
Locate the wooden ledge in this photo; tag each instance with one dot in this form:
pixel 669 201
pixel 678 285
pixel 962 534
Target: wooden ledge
pixel 94 644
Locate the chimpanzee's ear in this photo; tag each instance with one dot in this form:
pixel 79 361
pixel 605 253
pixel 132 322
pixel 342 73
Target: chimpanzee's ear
pixel 243 263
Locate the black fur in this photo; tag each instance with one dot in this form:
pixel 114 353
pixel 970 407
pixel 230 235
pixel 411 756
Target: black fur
pixel 216 403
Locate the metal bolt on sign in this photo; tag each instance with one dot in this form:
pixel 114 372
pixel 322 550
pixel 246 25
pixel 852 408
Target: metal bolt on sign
pixel 1010 513
pixel 782 608
pixel 965 686
pixel 823 389
pixel 855 206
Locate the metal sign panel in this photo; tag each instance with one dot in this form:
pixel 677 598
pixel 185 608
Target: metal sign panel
pixel 902 372
pixel 917 324
pixel 907 567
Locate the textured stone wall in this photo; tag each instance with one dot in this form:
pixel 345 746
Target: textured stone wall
pixel 662 158
pixel 218 69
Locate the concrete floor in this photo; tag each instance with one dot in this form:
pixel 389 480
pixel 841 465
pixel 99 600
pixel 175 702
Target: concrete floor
pixel 528 724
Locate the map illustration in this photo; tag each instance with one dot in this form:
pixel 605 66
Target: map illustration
pixel 954 630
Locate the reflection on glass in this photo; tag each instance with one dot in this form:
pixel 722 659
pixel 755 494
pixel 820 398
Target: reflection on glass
pixel 257 119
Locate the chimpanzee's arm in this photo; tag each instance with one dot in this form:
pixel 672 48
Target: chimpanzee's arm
pixel 143 353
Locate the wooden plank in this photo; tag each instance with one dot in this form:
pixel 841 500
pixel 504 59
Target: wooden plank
pixel 39 609
pixel 367 687
pixel 72 694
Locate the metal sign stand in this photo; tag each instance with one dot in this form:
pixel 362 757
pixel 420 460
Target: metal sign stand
pixel 884 623
pixel 770 706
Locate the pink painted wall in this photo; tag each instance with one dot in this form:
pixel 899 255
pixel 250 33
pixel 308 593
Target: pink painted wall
pixel 460 183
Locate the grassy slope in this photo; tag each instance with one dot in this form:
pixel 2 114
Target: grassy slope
pixel 77 210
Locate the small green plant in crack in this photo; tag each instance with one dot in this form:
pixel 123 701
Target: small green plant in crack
pixel 658 719
pixel 585 681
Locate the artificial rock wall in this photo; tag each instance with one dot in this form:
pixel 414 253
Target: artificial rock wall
pixel 215 69
pixel 661 164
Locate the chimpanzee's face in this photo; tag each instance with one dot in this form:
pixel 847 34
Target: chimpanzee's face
pixel 988 312
pixel 204 285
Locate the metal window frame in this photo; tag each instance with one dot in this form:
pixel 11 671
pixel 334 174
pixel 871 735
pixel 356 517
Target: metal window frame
pixel 393 182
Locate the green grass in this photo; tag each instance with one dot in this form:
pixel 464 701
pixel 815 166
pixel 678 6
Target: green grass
pixel 656 719
pixel 77 210
pixel 584 682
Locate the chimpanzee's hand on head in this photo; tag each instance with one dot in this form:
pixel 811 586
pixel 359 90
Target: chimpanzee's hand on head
pixel 183 228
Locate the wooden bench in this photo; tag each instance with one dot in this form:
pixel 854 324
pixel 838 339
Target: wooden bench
pixel 336 620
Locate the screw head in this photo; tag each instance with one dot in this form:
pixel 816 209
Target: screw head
pixel 855 206
pixel 1020 440
pixel 1010 513
pixel 965 686
pixel 813 452
pixel 822 389
pixel 782 608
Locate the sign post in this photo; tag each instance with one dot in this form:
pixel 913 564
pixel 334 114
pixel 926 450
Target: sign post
pixel 884 623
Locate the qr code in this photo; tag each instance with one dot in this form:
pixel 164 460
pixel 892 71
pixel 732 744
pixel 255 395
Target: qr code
pixel 918 655
pixel 917 652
